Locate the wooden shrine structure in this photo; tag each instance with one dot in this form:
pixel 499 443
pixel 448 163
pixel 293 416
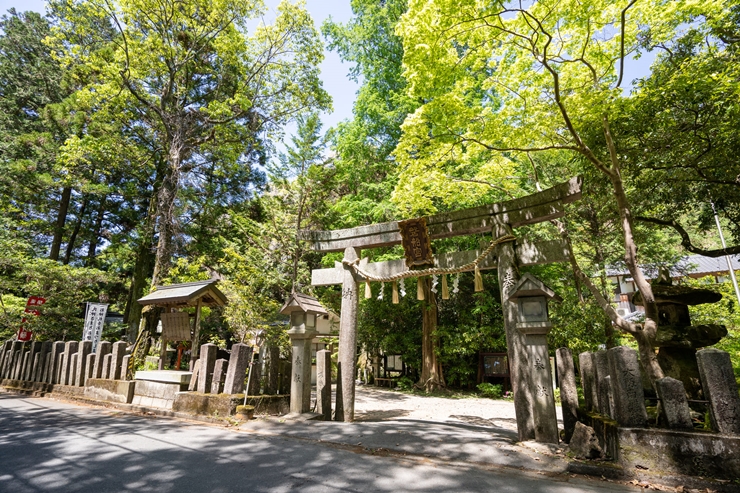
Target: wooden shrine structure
pixel 175 323
pixel 534 404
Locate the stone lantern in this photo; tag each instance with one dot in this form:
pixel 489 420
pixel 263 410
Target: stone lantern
pixel 303 311
pixel 531 296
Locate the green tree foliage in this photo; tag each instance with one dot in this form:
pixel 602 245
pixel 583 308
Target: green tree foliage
pixel 259 255
pixel 65 288
pixel 469 323
pixel 199 89
pixel 29 138
pixel 725 312
pixel 503 81
pixel 366 174
pixel 679 129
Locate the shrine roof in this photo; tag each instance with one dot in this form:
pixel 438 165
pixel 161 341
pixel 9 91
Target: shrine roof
pixel 691 265
pixel 304 302
pixel 186 294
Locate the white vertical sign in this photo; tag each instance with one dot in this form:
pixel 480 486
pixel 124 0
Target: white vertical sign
pixel 94 319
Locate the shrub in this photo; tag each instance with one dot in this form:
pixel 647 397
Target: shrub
pixel 494 391
pixel 405 383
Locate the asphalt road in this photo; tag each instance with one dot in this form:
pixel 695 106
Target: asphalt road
pixel 50 446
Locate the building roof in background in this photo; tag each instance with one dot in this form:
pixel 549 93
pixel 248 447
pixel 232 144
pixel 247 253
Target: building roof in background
pixel 692 265
pixel 186 294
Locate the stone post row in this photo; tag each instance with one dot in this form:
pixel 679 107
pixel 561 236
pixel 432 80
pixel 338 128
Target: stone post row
pixel 720 389
pixel 568 390
pixel 626 381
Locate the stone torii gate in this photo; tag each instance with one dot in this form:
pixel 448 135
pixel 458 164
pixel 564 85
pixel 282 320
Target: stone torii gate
pixel 535 414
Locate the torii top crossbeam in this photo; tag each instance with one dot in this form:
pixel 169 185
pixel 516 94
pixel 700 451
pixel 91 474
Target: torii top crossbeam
pixel 531 209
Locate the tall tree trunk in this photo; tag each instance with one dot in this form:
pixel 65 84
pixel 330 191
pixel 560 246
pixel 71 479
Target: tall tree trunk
pixel 431 375
pixel 75 232
pixel 92 247
pixel 645 333
pixel 296 241
pixel 166 216
pixel 56 243
pixel 142 270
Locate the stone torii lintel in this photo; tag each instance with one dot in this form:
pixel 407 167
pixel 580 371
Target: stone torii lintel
pixel 543 252
pixel 532 209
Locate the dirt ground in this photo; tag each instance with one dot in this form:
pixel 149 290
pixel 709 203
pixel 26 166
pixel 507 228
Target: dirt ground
pixel 378 404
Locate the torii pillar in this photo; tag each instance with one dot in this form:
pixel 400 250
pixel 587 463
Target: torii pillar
pixel 516 350
pixel 347 360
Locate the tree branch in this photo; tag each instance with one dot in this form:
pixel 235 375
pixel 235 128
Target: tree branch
pixel 621 42
pixel 686 240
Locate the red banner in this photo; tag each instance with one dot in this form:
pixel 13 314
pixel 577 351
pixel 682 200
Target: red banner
pixel 31 304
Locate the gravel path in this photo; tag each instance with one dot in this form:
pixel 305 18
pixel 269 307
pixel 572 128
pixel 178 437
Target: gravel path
pixel 377 404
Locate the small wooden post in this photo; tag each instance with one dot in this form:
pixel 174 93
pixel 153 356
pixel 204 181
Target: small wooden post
pixel 163 341
pixel 180 349
pixel 195 351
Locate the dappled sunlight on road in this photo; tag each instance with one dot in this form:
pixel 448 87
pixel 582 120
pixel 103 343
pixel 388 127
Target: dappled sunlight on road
pixel 48 446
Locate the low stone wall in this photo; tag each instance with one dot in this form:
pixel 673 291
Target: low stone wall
pixel 664 452
pixel 24 387
pixel 66 391
pixel 225 404
pixel 121 391
pixel 270 404
pixel 669 452
pixel 206 404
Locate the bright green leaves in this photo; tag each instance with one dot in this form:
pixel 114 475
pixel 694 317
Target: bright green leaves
pixel 496 78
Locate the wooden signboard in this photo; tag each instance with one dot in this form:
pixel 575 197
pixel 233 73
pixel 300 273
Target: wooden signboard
pixel 176 326
pixel 417 247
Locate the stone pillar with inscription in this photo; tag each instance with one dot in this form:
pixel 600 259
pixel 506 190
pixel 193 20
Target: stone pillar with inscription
pixel 300 383
pixel 531 297
pixel 345 403
pixel 626 380
pixel 720 388
pixel 508 276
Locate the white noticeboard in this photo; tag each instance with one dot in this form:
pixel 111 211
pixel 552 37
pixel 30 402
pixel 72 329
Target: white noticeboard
pixel 94 319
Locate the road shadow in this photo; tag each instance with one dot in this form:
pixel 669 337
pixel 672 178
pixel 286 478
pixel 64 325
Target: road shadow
pixel 47 446
pixel 381 414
